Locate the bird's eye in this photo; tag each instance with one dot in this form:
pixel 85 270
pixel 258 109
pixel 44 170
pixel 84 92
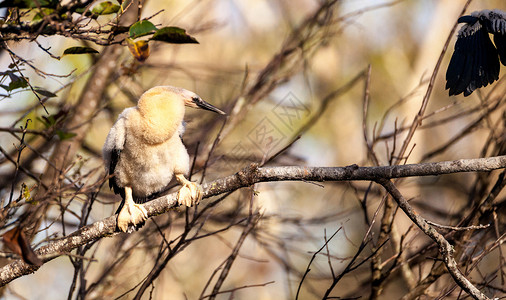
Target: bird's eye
pixel 195 99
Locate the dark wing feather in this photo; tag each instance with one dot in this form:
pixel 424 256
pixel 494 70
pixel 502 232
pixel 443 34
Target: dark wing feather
pixel 111 151
pixel 459 73
pixel 486 64
pixel 115 154
pixel 500 43
pixel 456 66
pixel 474 62
pixel 491 65
pixel 495 22
pixel 466 78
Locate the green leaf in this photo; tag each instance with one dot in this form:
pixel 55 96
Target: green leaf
pixel 105 8
pixel 62 135
pixel 44 92
pixel 42 121
pixel 141 28
pixel 78 50
pixel 80 10
pixel 173 35
pixel 43 12
pixel 47 121
pixel 29 3
pixel 17 82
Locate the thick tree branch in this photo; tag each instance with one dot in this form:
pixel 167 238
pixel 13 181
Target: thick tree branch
pixel 248 177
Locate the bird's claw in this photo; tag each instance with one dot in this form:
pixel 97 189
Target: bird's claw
pixel 133 214
pixel 190 194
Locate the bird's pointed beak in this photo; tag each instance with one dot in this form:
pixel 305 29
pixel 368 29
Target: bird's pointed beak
pixel 197 102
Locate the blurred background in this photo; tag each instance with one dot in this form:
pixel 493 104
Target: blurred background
pixel 292 80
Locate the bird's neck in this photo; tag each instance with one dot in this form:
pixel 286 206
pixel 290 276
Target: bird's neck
pixel 160 117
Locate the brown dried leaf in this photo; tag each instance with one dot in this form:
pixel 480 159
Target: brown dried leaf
pixel 15 240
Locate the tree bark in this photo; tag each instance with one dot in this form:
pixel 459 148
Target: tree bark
pixel 248 177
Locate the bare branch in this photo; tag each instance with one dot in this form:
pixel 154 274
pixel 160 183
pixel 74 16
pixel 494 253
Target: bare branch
pixel 446 250
pixel 248 177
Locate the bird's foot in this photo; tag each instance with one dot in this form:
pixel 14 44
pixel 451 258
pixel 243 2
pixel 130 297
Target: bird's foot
pixel 190 193
pixel 134 215
pixel 131 213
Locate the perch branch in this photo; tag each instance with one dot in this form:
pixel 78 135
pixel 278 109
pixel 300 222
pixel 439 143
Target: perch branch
pixel 248 177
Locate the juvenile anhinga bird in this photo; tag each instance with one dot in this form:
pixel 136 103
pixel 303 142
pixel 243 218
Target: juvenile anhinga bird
pixel 475 61
pixel 143 151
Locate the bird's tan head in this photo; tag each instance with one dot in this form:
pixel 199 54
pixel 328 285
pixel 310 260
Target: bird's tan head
pixel 160 94
pixel 193 100
pixel 162 108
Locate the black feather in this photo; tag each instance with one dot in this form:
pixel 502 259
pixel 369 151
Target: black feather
pixel 500 43
pixel 456 66
pixel 475 62
pixel 115 154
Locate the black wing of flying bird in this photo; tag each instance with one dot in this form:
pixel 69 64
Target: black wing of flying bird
pixel 475 60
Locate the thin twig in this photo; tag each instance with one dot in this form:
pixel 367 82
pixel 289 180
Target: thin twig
pixel 446 250
pixel 248 177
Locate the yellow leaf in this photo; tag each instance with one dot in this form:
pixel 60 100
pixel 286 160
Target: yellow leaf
pixel 26 194
pixel 139 49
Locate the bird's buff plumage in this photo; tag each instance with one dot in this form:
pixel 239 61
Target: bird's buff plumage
pixel 143 151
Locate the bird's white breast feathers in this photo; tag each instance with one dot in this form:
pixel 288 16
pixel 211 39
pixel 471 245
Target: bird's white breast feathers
pixel 149 168
pixel 144 150
pixel 145 166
